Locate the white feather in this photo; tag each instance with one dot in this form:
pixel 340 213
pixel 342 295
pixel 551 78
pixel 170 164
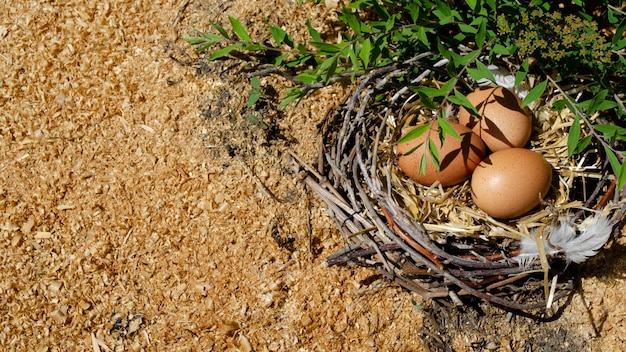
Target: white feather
pixel 563 238
pixel 528 250
pixel 588 243
pixel 505 79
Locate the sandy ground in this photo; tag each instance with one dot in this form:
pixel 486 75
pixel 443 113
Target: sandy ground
pixel 141 211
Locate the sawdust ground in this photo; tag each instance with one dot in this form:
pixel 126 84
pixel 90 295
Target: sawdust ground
pixel 139 210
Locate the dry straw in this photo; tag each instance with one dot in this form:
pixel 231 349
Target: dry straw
pixel 434 240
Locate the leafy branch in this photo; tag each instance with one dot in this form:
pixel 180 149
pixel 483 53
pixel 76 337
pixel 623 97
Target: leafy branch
pixel 467 37
pixel 610 133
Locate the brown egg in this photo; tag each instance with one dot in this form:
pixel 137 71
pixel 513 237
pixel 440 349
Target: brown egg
pixel 458 158
pixel 510 182
pixel 504 124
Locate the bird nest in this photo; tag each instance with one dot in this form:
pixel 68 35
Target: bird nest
pixel 433 240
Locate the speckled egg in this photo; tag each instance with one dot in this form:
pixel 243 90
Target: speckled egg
pixel 503 124
pixel 510 182
pixel 458 158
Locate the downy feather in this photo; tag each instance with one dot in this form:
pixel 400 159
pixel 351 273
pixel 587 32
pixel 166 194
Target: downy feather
pixel 563 238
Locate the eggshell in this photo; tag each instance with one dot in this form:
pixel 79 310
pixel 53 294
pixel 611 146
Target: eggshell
pixel 458 158
pixel 511 182
pixel 504 124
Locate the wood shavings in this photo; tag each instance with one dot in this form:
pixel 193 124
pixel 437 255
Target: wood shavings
pixel 78 79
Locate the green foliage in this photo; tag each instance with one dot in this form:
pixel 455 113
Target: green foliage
pixel 582 47
pixel 417 306
pixel 257 122
pixel 556 39
pixel 535 93
pixel 255 93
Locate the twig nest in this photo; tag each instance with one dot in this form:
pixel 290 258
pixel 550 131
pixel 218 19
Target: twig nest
pixel 503 123
pixel 435 241
pixel 456 158
pixel 511 182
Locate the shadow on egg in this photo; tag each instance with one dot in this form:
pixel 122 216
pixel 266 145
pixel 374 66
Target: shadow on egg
pixel 504 123
pixel 493 130
pixel 471 153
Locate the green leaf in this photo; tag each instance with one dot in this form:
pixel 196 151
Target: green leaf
pixel 615 164
pixel 366 50
pixel 445 52
pixel 239 29
pixel 447 87
pixel 462 60
pixel 561 104
pixel 224 51
pixel 446 129
pixel 466 28
pixel 535 93
pixel 326 48
pixel 423 38
pixel 481 71
pixel 500 49
pixel 307 77
pixel 352 21
pixel 611 132
pixel 328 67
pixel 459 99
pixel 621 44
pixel 204 47
pixel 255 93
pixel 220 29
pixel 211 37
pixel 414 133
pixel 253 98
pixel 427 101
pixel 279 59
pixel 423 165
pixel 417 306
pixel 598 103
pixel 472 4
pixel 315 35
pixel 278 34
pixel 436 92
pixel 414 11
pixel 382 12
pixel 482 34
pixel 613 16
pixel 573 136
pixel 356 65
pixel 299 60
pixel 293 93
pixel 194 40
pixel 434 153
pixel 444 13
pixel 257 122
pixel 255 83
pixel 582 144
pixel 520 75
pixel 621 176
pixel 254 47
pixel 617 37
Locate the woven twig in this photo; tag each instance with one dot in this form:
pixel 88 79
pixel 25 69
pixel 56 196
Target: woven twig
pixel 357 179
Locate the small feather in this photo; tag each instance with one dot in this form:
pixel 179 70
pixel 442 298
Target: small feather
pixel 529 251
pixel 589 242
pixel 563 238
